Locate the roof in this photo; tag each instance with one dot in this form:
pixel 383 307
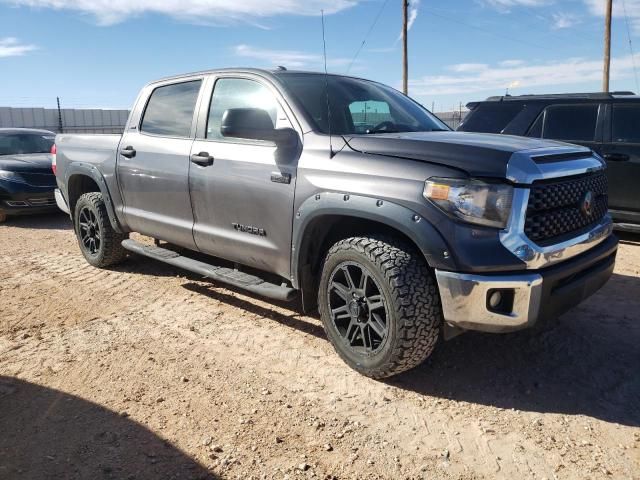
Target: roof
pixel 568 96
pixel 275 72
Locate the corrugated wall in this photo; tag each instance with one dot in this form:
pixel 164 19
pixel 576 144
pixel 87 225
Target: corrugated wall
pixel 73 120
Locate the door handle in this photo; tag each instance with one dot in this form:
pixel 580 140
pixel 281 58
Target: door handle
pixel 128 151
pixel 616 157
pixel 203 159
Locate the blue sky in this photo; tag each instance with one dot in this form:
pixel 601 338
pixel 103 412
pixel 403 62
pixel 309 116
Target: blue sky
pixel 98 53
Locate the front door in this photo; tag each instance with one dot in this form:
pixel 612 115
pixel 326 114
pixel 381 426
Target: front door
pixel 622 153
pixel 243 190
pixel 153 165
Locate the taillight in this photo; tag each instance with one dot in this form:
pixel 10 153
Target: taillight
pixel 54 154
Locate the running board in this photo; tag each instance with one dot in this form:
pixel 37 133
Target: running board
pixel 229 276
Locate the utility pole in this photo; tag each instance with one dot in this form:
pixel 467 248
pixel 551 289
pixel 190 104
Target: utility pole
pixel 607 45
pixel 405 64
pixel 59 116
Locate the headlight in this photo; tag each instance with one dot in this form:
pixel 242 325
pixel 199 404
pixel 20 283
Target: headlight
pixel 11 176
pixel 473 201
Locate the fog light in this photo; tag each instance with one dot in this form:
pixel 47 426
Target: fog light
pixel 495 299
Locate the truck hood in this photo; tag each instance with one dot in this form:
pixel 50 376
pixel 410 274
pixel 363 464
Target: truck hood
pixel 478 154
pixel 28 162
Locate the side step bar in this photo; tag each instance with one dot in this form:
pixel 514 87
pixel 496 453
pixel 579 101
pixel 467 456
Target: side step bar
pixel 229 276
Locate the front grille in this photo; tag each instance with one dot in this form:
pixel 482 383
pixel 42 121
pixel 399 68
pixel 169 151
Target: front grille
pixel 39 179
pixel 556 208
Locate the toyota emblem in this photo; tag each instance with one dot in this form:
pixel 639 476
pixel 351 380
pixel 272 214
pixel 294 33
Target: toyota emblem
pixel 587 204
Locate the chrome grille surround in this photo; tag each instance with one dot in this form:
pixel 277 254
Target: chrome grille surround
pixel 523 170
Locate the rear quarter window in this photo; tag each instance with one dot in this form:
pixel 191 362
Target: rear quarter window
pixel 491 117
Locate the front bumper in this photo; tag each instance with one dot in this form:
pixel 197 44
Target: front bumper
pixel 528 297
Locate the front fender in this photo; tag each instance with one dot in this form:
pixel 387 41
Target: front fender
pixel 415 227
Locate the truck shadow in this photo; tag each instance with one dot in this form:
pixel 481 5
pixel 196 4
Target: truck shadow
pixel 47 433
pixel 585 363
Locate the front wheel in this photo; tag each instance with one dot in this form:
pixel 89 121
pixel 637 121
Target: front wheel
pixel 379 305
pixel 99 242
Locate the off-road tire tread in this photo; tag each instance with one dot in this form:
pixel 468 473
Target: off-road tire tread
pixel 113 251
pixel 414 295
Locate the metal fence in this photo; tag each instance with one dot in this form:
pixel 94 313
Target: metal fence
pixel 70 119
pixel 453 119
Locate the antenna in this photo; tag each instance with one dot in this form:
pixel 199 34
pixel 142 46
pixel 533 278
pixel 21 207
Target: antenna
pixel 326 85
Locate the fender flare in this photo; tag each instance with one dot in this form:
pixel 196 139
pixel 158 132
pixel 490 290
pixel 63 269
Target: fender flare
pixel 89 170
pixel 417 228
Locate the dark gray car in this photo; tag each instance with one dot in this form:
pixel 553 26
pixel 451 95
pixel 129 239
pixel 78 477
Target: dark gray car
pixel 350 195
pixel 26 179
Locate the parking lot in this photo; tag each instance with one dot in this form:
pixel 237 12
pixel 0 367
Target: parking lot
pixel 146 372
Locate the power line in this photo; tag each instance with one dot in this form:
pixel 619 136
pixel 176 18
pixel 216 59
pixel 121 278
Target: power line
pixel 633 58
pixel 487 31
pixel 364 40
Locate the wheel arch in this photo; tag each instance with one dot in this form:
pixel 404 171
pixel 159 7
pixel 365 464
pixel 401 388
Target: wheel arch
pixel 83 178
pixel 326 218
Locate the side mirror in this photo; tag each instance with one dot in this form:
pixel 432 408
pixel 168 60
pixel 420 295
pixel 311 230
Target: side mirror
pixel 255 124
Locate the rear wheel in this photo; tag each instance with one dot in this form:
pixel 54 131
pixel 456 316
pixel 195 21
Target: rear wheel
pixel 379 305
pixel 99 242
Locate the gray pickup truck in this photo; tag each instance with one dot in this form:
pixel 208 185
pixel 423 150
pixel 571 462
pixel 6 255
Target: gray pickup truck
pixel 349 196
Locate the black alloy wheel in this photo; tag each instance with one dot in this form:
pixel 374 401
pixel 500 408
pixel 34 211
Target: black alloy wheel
pixel 357 307
pixel 89 231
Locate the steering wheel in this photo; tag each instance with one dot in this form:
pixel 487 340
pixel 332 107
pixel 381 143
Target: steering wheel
pixel 386 125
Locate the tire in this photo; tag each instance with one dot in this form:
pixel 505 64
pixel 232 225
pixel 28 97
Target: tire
pixel 91 222
pixel 371 343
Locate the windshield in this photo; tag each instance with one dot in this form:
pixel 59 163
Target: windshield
pixel 19 143
pixel 358 106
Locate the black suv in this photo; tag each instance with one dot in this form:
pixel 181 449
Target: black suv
pixel 608 123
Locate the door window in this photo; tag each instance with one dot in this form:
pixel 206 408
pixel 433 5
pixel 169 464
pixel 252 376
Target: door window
pixel 242 93
pixel 625 126
pixel 170 109
pixel 570 122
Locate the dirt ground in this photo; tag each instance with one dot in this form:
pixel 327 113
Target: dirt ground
pixel 143 372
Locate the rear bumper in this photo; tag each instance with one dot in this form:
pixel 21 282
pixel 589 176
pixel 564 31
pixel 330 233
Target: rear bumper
pixel 528 297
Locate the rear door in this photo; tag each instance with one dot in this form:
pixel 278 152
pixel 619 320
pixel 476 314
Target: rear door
pixel 243 199
pixel 153 164
pixel 622 153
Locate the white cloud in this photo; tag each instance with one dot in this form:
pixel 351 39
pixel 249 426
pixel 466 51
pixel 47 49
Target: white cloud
pixel 525 76
pixel 11 47
pixel 596 7
pixel 108 12
pixel 511 63
pixel 468 67
pixel 412 13
pixel 506 5
pixel 286 58
pixel 564 20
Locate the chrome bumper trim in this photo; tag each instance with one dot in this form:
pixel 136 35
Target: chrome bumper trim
pixel 464 300
pixel 60 201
